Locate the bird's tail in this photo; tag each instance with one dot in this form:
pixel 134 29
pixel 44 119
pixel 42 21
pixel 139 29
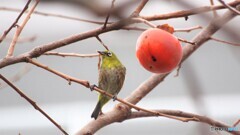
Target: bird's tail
pixel 96 110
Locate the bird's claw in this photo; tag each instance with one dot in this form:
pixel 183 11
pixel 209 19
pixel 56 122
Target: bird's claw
pixel 92 87
pixel 114 97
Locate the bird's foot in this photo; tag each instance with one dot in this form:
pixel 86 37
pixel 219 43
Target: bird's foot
pixel 114 97
pixel 92 87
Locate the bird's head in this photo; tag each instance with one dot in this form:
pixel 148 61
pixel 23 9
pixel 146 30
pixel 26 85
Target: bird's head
pixel 109 58
pixel 107 55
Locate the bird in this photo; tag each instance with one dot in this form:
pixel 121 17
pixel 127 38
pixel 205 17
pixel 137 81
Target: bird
pixel 111 77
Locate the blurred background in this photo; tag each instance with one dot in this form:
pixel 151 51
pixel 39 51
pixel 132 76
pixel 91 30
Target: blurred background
pixel 208 83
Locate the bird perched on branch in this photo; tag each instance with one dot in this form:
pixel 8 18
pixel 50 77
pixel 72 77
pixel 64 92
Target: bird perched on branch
pixel 111 77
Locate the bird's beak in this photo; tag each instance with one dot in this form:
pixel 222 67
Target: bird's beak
pixel 101 52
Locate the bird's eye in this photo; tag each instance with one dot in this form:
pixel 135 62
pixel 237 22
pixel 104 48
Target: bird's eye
pixel 109 54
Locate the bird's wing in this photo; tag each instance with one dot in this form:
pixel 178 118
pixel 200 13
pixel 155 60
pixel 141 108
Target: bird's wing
pixel 103 79
pixel 121 74
pixel 117 79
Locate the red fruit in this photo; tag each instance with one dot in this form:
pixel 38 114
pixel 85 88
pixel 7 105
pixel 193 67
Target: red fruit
pixel 158 51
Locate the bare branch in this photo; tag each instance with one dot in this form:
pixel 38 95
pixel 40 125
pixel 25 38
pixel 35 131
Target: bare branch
pixel 236 123
pixel 185 41
pixel 102 43
pixel 71 54
pixel 145 110
pixel 177 14
pixel 190 12
pixel 86 84
pixel 188 29
pixel 223 41
pixel 214 11
pixel 55 15
pixel 140 20
pixel 15 22
pixel 134 28
pixel 19 30
pixel 143 89
pixel 37 51
pixel 121 112
pixel 139 8
pixel 62 75
pixel 178 69
pixel 175 30
pixel 109 13
pixel 202 119
pixel 33 103
pixel 229 7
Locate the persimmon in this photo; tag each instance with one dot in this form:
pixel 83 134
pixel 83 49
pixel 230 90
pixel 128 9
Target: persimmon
pixel 158 51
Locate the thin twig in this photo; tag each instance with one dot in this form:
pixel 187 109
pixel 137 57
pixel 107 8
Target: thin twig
pixel 55 15
pixel 184 13
pixel 229 7
pixel 236 123
pixel 178 69
pixel 71 54
pixel 214 11
pixel 40 49
pixel 108 15
pixel 223 41
pixel 145 22
pixel 185 41
pixel 15 22
pixel 188 29
pixel 86 84
pixel 134 28
pixel 64 76
pixel 102 43
pixel 19 30
pixel 99 62
pixel 203 119
pixel 144 110
pixel 175 30
pixel 146 87
pixel 139 8
pixel 175 14
pixel 33 103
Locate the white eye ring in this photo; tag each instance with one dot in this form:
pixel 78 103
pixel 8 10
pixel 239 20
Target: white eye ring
pixel 109 54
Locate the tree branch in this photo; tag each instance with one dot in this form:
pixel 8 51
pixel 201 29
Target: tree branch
pixel 202 119
pixel 190 12
pixel 37 51
pixel 108 15
pixel 19 30
pixel 229 7
pixel 214 11
pixel 71 54
pixel 86 84
pixel 62 75
pixel 236 123
pixel 121 112
pixel 223 41
pixel 172 15
pixel 99 39
pixel 15 22
pixel 33 104
pixel 139 8
pixel 55 15
pixel 188 29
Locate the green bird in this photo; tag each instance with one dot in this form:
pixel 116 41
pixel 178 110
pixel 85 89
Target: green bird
pixel 111 77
